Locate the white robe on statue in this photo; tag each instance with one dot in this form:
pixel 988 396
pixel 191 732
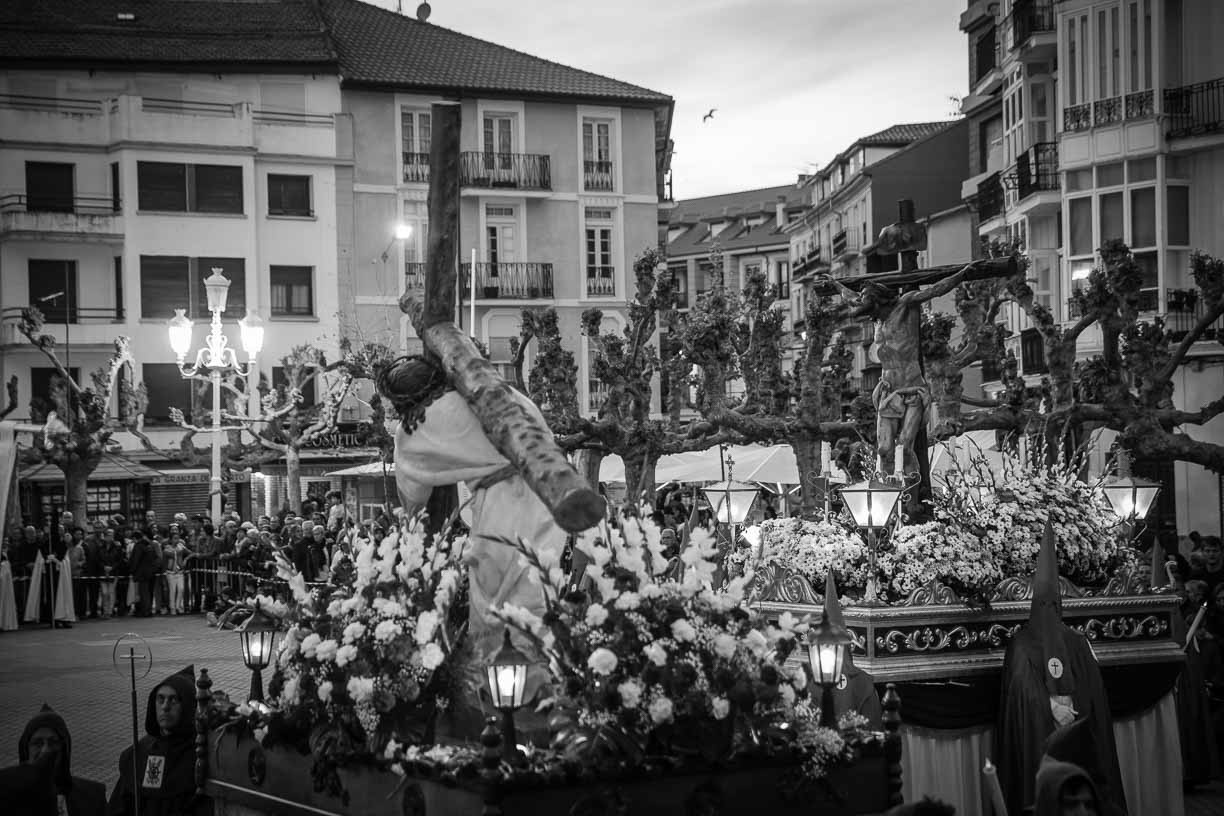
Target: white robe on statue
pixel 65 606
pixel 8 600
pixel 449 447
pixel 34 596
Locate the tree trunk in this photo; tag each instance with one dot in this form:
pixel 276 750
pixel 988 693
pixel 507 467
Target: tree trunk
pixel 293 479
pixel 639 476
pixel 807 457
pixel 587 463
pixel 76 479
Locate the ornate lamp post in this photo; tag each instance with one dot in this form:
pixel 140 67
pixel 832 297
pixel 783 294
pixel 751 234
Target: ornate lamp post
pixel 827 644
pixel 871 504
pixel 730 500
pixel 1131 500
pixel 507 674
pixel 258 633
pixel 216 356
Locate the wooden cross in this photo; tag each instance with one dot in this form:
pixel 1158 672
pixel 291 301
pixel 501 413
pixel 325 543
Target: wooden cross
pixel 525 440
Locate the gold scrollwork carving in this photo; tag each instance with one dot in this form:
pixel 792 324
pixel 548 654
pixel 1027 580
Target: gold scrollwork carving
pixel 932 594
pixel 928 639
pixel 773 583
pixel 1021 589
pixel 1122 628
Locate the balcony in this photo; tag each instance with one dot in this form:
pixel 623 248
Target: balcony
pixel 988 200
pixel 76 218
pixel 1183 310
pixel 597 395
pixel 1029 18
pixel 1149 302
pixel 524 280
pixel 414 277
pixel 84 326
pixel 809 263
pixel 1107 111
pixel 1077 117
pixel 1195 110
pixel 511 171
pixel 416 168
pixel 597 175
pixel 1037 169
pixel 601 281
pixel 845 242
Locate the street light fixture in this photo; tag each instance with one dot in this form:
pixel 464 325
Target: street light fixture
pixel 730 500
pixel 215 356
pixel 827 645
pixel 258 633
pixel 507 674
pixel 871 504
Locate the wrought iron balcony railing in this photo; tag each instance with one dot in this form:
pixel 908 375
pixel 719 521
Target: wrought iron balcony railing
pixel 601 281
pixel 1029 18
pixel 1184 308
pixel 989 198
pixel 1140 104
pixel 597 175
pixel 523 280
pixel 1077 117
pixel 1194 110
pixel 1107 111
pixel 597 395
pixel 841 241
pixel 1037 169
pixel 515 171
pixel 414 276
pixel 416 168
pixel 1149 301
pixel 55 312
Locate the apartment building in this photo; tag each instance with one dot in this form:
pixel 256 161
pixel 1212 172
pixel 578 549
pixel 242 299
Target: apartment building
pixel 286 142
pixel 141 150
pixel 856 195
pixel 561 178
pixel 1108 125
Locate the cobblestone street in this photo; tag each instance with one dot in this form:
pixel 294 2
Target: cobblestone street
pixel 71 670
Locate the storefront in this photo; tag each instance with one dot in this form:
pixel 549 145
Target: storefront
pixel 117 485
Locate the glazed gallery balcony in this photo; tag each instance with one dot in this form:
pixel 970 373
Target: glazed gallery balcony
pixel 493 171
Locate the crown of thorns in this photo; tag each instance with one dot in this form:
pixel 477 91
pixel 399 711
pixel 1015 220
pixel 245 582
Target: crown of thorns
pixel 411 384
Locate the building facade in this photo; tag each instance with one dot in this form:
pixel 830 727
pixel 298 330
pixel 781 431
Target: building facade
pixel 1109 120
pixel 140 151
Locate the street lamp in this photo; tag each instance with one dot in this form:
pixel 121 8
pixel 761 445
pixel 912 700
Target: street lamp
pixel 507 674
pixel 871 504
pixel 730 500
pixel 827 645
pixel 258 633
pixel 216 356
pixel 1131 500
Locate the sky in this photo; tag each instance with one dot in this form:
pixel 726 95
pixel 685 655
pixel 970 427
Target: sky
pixel 794 82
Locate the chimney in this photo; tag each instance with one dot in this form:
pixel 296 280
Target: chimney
pixel 780 212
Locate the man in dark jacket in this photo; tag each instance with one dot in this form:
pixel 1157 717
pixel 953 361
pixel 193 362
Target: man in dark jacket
pixel 93 571
pixel 46 740
pixel 162 778
pixel 143 566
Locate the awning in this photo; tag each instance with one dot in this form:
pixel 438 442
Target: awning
pixel 112 468
pixel 373 469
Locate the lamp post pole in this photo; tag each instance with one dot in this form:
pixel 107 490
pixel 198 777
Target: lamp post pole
pixel 214 481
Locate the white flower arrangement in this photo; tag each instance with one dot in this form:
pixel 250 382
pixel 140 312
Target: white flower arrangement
pixel 813 548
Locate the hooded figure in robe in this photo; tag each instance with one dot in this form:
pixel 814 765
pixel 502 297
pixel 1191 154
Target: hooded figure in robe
pixel 856 691
pixel 1050 678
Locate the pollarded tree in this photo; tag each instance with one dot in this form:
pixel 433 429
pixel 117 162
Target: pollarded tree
pixel 78 420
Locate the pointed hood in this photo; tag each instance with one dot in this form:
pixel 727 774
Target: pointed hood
pixel 48 718
pixel 182 682
pixel 689 525
pixel 833 613
pixel 1045 624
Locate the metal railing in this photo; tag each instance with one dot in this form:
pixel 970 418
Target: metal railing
pixel 1077 117
pixel 1037 169
pixel 840 242
pixel 597 395
pixel 989 198
pixel 416 168
pixel 1184 308
pixel 600 281
pixel 1149 301
pixel 50 203
pixel 1029 18
pixel 414 276
pixel 1193 110
pixel 515 171
pixel 523 280
pixel 1107 111
pixel 597 175
pixel 54 314
pixel 1140 104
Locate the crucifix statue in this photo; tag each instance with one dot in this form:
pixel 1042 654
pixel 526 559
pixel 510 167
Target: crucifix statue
pixel 895 301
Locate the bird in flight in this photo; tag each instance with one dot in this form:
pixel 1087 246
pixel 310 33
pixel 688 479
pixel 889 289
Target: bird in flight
pixel 709 115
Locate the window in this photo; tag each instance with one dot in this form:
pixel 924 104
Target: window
pixel 53 289
pixel 292 294
pixel 783 280
pixel 1143 217
pixel 1139 23
pixel 114 175
pixel 597 155
pixel 498 142
pixel 200 188
pixel 1080 217
pixel 1107 53
pixel 49 186
pixel 500 357
pixel 415 136
pixel 118 270
pixel 167 389
pixel 679 275
pixel 1111 216
pixel 1032 352
pixel 1177 220
pixel 174 282
pixel 308 388
pixel 289 195
pixel 1077 60
pixel 600 274
pixel 41 378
